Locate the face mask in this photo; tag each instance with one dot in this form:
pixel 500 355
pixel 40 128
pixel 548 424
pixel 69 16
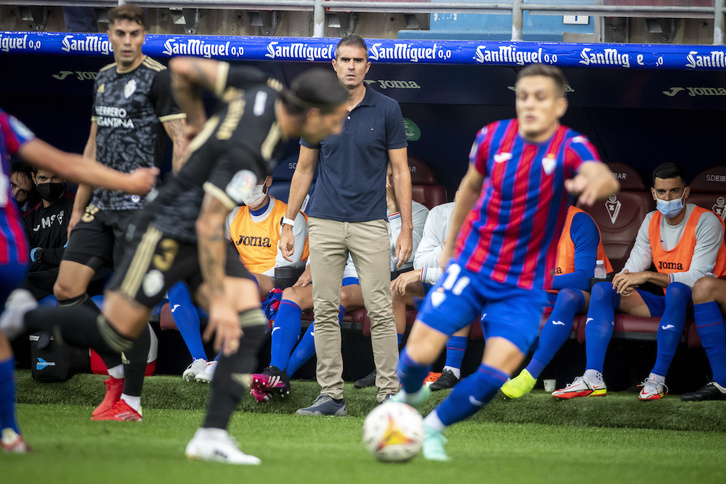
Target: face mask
pixel 50 192
pixel 255 196
pixel 670 208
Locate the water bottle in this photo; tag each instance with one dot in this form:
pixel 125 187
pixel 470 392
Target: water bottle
pixel 600 272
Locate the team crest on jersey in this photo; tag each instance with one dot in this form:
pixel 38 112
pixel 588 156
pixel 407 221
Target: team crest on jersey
pixel 153 283
pixel 548 164
pixel 612 205
pixel 129 88
pixel 720 208
pixel 241 184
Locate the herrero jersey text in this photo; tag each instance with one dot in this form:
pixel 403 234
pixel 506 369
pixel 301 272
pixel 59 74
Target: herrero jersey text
pixel 128 108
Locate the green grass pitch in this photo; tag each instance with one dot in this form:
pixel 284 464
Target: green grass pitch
pixel 533 440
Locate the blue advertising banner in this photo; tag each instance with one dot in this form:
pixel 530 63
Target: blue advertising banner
pixel 624 56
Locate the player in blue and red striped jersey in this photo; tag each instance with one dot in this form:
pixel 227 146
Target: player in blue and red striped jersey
pixel 15 138
pixel 515 196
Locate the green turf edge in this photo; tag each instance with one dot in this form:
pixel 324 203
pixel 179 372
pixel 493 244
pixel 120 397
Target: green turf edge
pixel 616 410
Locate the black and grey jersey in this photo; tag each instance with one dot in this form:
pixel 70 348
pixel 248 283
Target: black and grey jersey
pixel 238 146
pixel 129 108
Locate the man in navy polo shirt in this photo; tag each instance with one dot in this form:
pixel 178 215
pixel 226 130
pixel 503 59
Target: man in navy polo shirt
pixel 347 214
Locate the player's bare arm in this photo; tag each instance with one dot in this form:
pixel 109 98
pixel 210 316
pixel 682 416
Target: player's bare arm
pixel 469 192
pixel 399 284
pixel 175 129
pixel 624 282
pixel 80 169
pixel 402 190
pixel 594 181
pixel 223 319
pixel 189 76
pixel 299 186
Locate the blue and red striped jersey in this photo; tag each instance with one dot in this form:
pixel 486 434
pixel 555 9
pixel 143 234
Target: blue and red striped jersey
pixel 13 245
pixel 512 231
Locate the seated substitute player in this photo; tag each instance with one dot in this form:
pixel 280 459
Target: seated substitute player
pixel 46 227
pixel 16 138
pixel 21 186
pixel 514 198
pixel 709 305
pixel 417 283
pixel 254 228
pixel 578 250
pixel 682 241
pixel 180 234
pixel 286 354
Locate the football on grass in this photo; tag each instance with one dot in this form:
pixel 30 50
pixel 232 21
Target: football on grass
pixel 393 432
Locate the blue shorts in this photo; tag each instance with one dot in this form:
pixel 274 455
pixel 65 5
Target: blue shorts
pixel 655 303
pixel 351 281
pixel 12 276
pixel 461 296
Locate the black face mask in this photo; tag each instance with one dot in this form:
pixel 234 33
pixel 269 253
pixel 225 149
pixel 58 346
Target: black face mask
pixel 50 192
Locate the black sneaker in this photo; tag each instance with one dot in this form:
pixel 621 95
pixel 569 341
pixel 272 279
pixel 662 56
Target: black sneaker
pixel 271 380
pixel 446 380
pixel 710 391
pixel 325 405
pixel 367 381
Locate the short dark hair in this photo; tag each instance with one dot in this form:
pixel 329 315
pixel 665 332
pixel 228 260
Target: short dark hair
pixel 669 170
pixel 314 88
pixel 552 72
pixel 352 39
pixel 22 167
pixel 127 11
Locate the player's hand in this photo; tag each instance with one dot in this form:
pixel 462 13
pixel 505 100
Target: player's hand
pixel 399 284
pixel 624 282
pixel 75 218
pixel 581 186
pixel 287 242
pixel 224 325
pixel 141 180
pixel 305 278
pixel 404 248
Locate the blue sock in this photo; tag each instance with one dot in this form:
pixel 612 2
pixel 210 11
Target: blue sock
pixel 557 329
pixel 305 349
pixel 710 326
pixel 187 319
pixel 455 349
pixel 471 394
pixel 285 333
pixel 670 329
pixel 411 374
pixel 400 338
pixel 603 301
pixel 7 395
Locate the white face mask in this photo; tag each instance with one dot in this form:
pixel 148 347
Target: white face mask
pixel 255 196
pixel 670 208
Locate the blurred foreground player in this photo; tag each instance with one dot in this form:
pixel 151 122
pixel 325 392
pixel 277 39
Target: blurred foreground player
pixel 15 138
pixel 180 235
pixel 514 198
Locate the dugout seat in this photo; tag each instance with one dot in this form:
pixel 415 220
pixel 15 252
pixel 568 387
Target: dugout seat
pixel 619 217
pixel 424 187
pixel 708 190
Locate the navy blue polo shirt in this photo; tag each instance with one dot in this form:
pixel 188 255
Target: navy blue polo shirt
pixel 351 183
